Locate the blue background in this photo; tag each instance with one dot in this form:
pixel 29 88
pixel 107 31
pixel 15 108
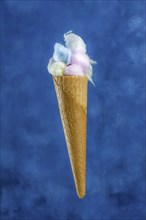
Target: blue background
pixel 37 182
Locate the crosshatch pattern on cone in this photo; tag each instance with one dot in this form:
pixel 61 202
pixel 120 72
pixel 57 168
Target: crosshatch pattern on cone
pixel 71 93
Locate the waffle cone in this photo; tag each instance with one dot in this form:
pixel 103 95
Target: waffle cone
pixel 71 93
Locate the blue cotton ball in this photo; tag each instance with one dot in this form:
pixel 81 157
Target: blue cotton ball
pixel 62 54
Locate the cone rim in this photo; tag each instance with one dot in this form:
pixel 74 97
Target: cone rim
pixel 68 76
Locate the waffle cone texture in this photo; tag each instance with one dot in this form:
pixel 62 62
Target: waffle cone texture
pixel 71 93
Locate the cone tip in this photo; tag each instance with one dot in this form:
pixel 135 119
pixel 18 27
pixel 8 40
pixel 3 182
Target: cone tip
pixel 81 196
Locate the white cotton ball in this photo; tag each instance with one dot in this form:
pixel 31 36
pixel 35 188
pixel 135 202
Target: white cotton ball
pixel 74 42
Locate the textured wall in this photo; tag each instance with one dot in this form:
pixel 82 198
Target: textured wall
pixel 37 182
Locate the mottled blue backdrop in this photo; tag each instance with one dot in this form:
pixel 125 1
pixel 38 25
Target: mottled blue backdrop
pixel 37 182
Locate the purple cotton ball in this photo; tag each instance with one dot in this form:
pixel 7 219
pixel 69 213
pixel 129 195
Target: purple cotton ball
pixel 81 59
pixel 73 70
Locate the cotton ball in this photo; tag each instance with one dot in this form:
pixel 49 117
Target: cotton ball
pixel 56 68
pixel 73 70
pixel 62 53
pixel 74 42
pixel 82 60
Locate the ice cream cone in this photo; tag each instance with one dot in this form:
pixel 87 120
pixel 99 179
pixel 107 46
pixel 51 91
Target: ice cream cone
pixel 71 93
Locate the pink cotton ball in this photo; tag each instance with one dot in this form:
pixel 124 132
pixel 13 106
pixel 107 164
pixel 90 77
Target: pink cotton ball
pixel 81 59
pixel 73 70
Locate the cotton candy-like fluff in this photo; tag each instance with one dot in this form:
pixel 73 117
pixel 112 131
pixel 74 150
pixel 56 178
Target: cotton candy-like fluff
pixel 61 53
pixel 56 68
pixel 71 60
pixel 74 42
pixel 81 59
pixel 89 74
pixel 73 70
